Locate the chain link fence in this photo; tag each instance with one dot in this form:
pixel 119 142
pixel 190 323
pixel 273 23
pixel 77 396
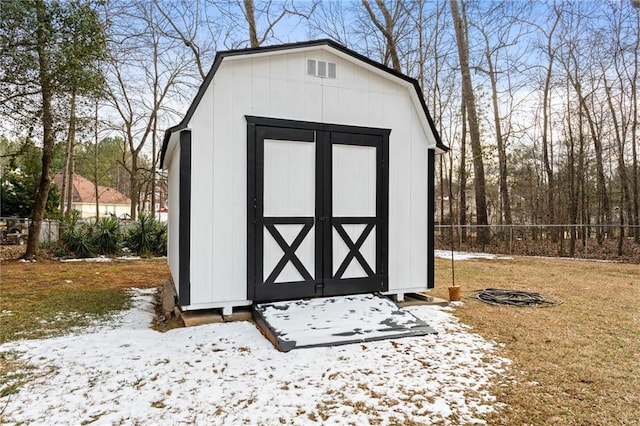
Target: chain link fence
pixel 580 241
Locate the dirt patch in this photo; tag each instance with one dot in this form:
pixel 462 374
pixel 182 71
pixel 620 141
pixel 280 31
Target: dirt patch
pixel 573 364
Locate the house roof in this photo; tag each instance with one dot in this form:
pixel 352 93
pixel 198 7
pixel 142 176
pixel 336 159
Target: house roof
pixel 290 46
pixel 84 191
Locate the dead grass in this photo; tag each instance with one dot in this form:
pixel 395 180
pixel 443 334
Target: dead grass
pixel 575 364
pixel 48 298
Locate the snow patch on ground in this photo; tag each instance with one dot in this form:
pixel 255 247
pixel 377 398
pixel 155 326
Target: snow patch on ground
pixel 463 255
pixel 122 372
pixel 99 259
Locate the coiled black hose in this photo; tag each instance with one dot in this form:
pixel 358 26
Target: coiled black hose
pixel 497 296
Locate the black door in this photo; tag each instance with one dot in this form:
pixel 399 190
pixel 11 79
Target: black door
pixel 317 209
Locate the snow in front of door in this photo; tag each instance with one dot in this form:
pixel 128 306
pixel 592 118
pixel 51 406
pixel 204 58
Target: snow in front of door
pixel 227 374
pixel 330 321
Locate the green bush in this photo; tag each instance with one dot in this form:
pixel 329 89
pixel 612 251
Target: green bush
pixel 160 246
pixel 148 237
pixel 79 241
pixel 107 236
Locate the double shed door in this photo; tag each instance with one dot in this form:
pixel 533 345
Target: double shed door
pixel 317 209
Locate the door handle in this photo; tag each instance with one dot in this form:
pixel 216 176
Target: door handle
pixel 322 218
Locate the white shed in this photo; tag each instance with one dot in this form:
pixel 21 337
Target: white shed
pixel 300 170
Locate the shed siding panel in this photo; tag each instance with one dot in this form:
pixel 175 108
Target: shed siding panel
pixel 399 194
pixel 278 86
pixel 202 195
pixel 236 287
pixel 311 103
pixel 227 213
pixel 419 205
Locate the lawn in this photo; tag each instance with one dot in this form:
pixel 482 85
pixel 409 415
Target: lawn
pixel 47 298
pixel 574 364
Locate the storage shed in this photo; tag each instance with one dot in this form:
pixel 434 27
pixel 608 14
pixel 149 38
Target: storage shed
pixel 300 170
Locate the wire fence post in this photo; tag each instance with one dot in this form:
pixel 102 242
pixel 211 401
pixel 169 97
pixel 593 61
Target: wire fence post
pixel 511 240
pixel 586 242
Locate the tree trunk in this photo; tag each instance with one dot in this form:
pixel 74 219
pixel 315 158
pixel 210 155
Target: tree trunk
pixel 548 167
pixel 573 204
pixel 71 137
pixel 547 147
pixel 65 174
pixel 134 183
pixel 153 167
pixel 634 133
pixel 387 30
pixel 95 163
pixel 622 168
pixel 48 141
pixel 250 14
pixel 462 176
pixel 505 202
pixel 582 182
pixel 603 196
pixel 474 125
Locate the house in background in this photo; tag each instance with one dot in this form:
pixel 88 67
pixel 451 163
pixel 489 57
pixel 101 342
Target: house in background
pixel 300 170
pixel 110 201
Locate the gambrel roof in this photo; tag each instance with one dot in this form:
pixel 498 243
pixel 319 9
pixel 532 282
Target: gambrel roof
pixel 326 44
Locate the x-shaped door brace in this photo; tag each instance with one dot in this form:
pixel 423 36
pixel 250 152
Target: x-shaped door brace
pixel 289 250
pixel 354 249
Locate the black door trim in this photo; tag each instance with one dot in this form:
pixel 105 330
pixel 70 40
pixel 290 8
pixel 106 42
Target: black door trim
pixel 184 223
pixel 325 135
pixel 289 251
pixel 354 250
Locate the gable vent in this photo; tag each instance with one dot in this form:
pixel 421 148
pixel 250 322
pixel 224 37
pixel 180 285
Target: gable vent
pixel 321 69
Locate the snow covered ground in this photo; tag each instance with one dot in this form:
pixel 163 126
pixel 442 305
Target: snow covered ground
pixel 463 255
pixel 226 374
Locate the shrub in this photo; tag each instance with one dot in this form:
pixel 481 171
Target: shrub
pixel 87 239
pixel 148 237
pixel 160 243
pixel 106 235
pixel 78 241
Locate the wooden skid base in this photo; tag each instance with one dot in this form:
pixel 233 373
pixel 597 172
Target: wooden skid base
pixel 421 299
pixel 209 316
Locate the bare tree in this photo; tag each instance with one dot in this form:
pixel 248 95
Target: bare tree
pixel 145 69
pixel 574 62
pixel 549 49
pixel 499 35
pixel 190 24
pixel 261 17
pixel 388 27
pixel 472 119
pixel 635 75
pixel 333 19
